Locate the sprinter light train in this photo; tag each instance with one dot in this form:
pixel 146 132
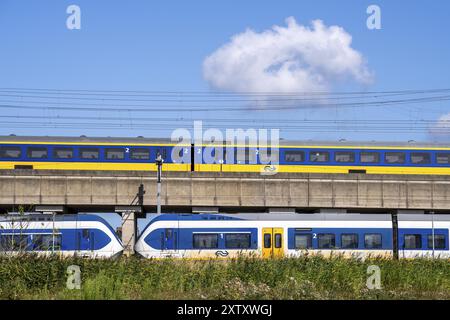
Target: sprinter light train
pixel 68 235
pixel 270 235
pixel 232 235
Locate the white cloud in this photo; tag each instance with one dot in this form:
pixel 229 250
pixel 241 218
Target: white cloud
pixel 442 126
pixel 286 59
pixel 444 121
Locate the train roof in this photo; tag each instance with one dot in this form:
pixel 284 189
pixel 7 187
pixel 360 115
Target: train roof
pixel 145 140
pixel 424 217
pixel 274 217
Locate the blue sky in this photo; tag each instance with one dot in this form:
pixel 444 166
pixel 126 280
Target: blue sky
pixel 161 45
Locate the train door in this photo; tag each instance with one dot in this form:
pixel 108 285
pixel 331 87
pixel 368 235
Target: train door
pixel 85 240
pixel 273 243
pixel 169 239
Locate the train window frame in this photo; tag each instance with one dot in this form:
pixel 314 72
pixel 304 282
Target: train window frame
pixel 135 150
pixel 247 241
pixel 56 149
pixel 366 153
pixel 442 154
pixel 107 151
pixel 55 242
pixel 195 242
pixel 162 151
pixel 30 151
pixel 391 153
pixel 415 154
pixel 379 244
pixel 317 153
pixel 278 240
pixel 267 241
pixel 90 150
pixel 355 241
pixel 442 240
pixel 268 155
pixel 352 158
pixel 308 241
pixel 250 155
pixel 11 245
pixel 319 239
pixel 294 153
pixel 417 245
pixel 4 150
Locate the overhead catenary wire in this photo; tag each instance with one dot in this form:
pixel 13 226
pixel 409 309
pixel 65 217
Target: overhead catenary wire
pixel 119 109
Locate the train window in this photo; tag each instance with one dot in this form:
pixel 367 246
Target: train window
pixel 326 240
pixel 319 156
pixel 9 242
pixel 372 241
pixel 115 154
pixel 162 152
pixel 420 158
pixel 245 155
pixel 413 241
pixel 267 155
pixel 278 240
pixel 205 241
pixel 85 233
pixel 344 156
pixel 369 157
pixel 37 152
pixel 439 241
pixel 10 152
pixel 89 153
pixel 63 153
pixel 267 240
pixel 44 242
pixel 237 240
pixel 349 241
pixel 140 154
pixel 294 156
pixel 443 158
pixel 394 157
pixel 303 241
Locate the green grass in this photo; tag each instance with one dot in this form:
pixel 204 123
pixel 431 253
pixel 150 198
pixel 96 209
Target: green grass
pixel 32 277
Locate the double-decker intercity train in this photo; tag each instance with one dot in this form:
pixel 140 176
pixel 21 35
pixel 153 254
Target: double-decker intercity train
pixel 66 153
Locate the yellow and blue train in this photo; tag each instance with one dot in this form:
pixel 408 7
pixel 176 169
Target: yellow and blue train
pixel 83 153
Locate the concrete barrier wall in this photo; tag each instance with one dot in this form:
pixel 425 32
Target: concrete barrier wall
pixel 86 188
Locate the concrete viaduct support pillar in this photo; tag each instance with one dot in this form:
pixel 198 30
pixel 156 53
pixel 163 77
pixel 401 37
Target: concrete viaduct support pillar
pixel 129 227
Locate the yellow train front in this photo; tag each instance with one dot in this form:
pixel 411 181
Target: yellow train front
pixel 70 153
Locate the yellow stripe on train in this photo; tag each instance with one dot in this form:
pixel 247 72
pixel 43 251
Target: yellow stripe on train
pixel 321 169
pixel 112 166
pixel 115 166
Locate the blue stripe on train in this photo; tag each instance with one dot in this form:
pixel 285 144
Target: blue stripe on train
pixel 71 239
pixel 183 237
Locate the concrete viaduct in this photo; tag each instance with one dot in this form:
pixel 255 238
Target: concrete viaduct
pixel 107 191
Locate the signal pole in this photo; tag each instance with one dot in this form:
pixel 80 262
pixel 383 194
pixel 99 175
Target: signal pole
pixel 159 163
pixel 432 229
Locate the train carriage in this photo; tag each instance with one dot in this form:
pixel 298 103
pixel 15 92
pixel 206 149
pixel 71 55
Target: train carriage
pixel 291 235
pixel 67 235
pixel 69 153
